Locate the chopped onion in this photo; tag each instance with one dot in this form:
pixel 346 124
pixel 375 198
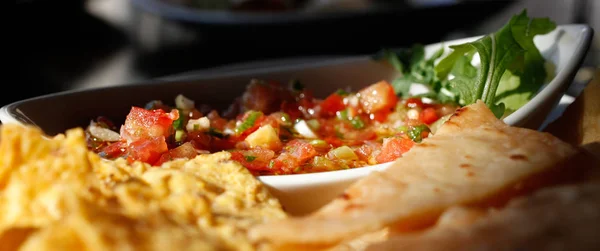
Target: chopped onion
pixel 412 114
pixel 103 134
pixel 342 152
pixel 201 124
pixel 303 129
pixel 184 103
pixel 418 89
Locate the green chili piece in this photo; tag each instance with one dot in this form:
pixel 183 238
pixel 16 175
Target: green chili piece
pixel 248 122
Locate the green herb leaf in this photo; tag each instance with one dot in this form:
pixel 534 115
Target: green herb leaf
pixel 521 82
pixel 510 48
pixel 250 158
pixel 415 68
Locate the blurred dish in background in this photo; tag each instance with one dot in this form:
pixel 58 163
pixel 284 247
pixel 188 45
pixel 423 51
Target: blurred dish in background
pixel 249 12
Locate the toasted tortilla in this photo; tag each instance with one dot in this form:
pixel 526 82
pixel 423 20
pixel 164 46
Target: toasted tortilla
pixel 580 123
pixel 558 218
pixel 474 159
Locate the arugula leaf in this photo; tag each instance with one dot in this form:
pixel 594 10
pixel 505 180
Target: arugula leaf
pixel 523 81
pixel 510 48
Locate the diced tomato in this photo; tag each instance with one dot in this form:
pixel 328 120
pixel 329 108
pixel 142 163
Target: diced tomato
pixel 186 150
pixel 114 150
pixel 334 141
pixel 147 150
pixel 414 103
pixel 261 96
pixel 380 116
pixel 194 114
pixel 147 124
pixel 200 140
pixel 269 120
pixel 393 148
pixel 332 104
pixel 218 144
pixel 365 151
pixel 257 159
pixel 378 97
pixel 292 109
pixel 301 150
pixel 296 153
pixel 428 115
pixel 216 121
pixel 105 122
pixel 356 138
pixel 285 163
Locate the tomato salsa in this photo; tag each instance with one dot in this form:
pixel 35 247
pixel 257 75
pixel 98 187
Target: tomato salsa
pixel 276 128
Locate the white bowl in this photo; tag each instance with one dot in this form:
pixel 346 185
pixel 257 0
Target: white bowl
pixel 300 194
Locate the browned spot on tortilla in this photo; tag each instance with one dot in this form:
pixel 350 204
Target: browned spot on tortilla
pixel 424 144
pixel 450 122
pixel 418 221
pixel 345 196
pixel 13 238
pixel 468 156
pixel 459 111
pixel 470 174
pixel 518 157
pixel 353 206
pixel 436 190
pixel 574 169
pixel 464 165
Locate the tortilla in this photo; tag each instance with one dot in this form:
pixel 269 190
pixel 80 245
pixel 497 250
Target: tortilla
pixel 580 123
pixel 474 159
pixel 558 218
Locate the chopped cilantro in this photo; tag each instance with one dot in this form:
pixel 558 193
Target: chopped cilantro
pixel 215 132
pixel 296 85
pixel 343 114
pixel 342 92
pixel 357 123
pixel 178 124
pixel 416 132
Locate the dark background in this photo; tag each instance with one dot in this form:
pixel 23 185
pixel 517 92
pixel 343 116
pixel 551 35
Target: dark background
pixel 76 44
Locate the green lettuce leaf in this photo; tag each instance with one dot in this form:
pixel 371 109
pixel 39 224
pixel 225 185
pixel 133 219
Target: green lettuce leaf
pixel 510 49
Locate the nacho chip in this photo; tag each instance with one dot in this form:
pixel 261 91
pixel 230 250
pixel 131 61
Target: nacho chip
pixel 56 195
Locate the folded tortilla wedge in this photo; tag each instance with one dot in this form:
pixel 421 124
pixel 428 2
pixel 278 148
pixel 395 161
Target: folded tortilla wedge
pixel 473 160
pixel 556 218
